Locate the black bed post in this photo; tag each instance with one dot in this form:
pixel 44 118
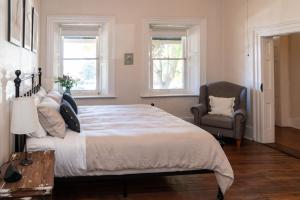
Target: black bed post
pixel 220 195
pixel 40 76
pixel 220 139
pixel 19 139
pixel 125 194
pixel 32 85
pixel 17 83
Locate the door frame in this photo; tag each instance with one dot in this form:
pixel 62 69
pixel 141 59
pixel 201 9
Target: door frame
pixel 283 28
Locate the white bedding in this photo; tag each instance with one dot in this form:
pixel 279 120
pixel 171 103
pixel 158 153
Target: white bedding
pixel 135 139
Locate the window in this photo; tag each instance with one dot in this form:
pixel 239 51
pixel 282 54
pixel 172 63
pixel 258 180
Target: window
pixel 84 48
pixel 172 57
pixel 81 61
pixel 168 62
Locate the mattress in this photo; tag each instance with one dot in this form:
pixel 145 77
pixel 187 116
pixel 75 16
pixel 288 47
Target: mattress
pixel 131 139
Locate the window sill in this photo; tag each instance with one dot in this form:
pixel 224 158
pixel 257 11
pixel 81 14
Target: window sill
pixel 95 97
pixel 168 95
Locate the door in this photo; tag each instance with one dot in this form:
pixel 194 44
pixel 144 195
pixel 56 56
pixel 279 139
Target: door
pixel 268 91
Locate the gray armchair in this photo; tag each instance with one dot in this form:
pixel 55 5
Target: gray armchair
pixel 234 126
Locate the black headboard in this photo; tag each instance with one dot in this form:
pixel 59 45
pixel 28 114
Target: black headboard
pixel 36 83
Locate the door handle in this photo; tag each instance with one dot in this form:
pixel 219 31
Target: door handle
pixel 262 87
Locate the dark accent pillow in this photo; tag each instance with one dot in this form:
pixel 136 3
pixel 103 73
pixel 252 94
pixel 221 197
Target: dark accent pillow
pixel 71 101
pixel 69 116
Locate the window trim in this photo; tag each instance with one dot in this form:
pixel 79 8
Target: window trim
pixel 147 90
pixel 108 30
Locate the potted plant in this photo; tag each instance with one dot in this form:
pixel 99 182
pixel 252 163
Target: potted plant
pixel 67 82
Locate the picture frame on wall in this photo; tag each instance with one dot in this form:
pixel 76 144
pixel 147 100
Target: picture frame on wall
pixel 15 21
pixel 35 31
pixel 27 24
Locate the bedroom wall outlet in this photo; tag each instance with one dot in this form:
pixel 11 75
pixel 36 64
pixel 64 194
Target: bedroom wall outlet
pixel 128 59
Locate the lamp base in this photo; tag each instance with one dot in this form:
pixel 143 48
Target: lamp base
pixel 26 162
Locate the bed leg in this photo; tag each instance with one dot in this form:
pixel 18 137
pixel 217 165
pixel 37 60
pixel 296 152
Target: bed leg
pixel 125 194
pixel 220 138
pixel 220 195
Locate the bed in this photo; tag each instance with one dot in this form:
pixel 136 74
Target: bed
pixel 125 140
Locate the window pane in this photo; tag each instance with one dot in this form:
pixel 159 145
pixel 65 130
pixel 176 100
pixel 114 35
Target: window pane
pixel 80 47
pixel 164 48
pixel 168 74
pixel 85 70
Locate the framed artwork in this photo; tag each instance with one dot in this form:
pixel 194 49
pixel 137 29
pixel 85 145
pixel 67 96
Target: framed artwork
pixel 15 21
pixel 128 59
pixel 27 24
pixel 35 31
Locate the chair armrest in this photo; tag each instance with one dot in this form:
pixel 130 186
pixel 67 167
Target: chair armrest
pixel 240 113
pixel 240 117
pixel 200 109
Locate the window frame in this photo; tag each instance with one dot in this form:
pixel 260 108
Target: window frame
pixel 98 67
pixel 194 77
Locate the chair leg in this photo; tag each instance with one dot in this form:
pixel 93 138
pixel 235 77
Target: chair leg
pixel 238 143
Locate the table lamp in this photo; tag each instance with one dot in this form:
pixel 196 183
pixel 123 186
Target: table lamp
pixel 24 120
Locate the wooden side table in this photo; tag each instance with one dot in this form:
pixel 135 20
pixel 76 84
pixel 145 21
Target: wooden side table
pixel 37 181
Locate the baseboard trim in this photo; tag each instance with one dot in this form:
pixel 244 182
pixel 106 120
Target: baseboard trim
pixel 292 152
pixel 294 123
pixel 249 133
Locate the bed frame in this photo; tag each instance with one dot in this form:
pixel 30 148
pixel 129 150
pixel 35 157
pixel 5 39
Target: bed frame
pixel 36 83
pixel 20 141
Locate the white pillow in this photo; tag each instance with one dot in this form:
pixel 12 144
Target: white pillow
pixel 50 118
pixel 41 131
pixel 221 106
pixel 42 93
pixel 37 99
pixel 55 95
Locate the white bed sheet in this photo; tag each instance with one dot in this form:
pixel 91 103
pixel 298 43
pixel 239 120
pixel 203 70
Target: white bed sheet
pixel 70 152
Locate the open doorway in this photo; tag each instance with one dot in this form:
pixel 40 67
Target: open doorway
pixel 264 80
pixel 287 93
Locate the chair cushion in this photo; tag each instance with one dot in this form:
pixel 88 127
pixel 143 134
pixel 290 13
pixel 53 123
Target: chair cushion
pixel 219 121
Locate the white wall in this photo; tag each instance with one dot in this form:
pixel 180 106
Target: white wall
pixel 238 66
pixel 11 58
pixel 129 15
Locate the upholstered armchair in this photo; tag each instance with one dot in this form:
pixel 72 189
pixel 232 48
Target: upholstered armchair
pixel 234 126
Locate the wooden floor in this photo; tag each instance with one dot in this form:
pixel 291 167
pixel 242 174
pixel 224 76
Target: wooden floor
pixel 260 173
pixel 289 137
pixel 287 140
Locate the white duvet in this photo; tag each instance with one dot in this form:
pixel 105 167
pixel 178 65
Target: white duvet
pixel 125 139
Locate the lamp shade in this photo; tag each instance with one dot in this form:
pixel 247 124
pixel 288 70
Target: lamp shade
pixel 24 119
